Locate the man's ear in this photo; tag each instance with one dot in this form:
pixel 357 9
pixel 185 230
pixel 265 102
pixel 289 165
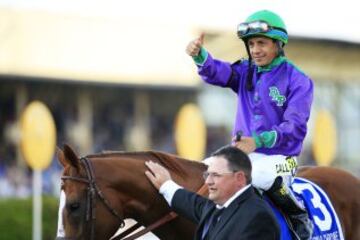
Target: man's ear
pixel 240 178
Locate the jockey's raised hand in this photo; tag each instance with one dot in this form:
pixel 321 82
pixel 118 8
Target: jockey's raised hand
pixel 194 47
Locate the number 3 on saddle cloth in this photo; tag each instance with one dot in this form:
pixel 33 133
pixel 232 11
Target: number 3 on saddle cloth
pixel 321 212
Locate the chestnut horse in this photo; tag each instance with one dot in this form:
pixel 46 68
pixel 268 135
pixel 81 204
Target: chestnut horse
pixel 102 190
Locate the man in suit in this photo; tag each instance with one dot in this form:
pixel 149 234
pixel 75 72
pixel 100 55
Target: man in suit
pixel 244 215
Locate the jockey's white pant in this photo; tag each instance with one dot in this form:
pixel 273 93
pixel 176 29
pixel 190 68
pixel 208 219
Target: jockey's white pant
pixel 60 227
pixel 265 168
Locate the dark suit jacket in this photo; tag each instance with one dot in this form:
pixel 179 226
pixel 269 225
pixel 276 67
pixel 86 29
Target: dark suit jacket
pixel 247 217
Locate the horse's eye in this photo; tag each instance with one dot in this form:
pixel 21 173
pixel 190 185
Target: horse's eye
pixel 73 206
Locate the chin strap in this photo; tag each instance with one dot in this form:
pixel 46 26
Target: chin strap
pixel 249 84
pixel 280 45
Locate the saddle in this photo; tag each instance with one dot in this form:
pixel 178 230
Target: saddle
pixel 320 210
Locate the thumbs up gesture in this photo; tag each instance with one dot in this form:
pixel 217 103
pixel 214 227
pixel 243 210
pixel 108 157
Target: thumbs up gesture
pixel 193 48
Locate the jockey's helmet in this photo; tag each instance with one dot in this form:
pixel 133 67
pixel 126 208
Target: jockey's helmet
pixel 263 23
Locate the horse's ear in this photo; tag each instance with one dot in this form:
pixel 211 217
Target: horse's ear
pixel 61 157
pixel 70 157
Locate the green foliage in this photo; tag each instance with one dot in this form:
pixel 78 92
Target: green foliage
pixel 16 218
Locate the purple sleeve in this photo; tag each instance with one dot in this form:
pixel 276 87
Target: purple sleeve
pixel 219 73
pixel 293 127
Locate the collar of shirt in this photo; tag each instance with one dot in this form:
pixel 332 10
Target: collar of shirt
pixel 275 62
pixel 230 200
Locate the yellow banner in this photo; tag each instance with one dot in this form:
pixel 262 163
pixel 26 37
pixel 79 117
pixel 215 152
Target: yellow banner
pixel 38 135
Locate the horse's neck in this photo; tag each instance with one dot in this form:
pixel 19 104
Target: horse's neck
pixel 133 195
pixel 125 175
pixel 193 180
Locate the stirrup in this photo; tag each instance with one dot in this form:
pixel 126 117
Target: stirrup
pixel 302 226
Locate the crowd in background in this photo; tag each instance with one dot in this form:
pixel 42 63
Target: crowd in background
pixel 16 181
pixel 112 121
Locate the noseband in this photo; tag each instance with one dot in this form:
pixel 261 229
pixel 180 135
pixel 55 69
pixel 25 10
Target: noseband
pixel 93 191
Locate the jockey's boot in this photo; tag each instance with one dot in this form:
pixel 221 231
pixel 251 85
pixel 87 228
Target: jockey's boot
pixel 284 198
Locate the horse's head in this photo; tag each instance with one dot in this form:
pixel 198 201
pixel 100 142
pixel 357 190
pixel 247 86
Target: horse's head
pixel 74 210
pixel 78 184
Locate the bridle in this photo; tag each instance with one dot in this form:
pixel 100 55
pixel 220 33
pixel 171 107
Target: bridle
pixel 92 191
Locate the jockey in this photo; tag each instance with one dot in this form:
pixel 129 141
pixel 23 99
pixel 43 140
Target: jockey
pixel 274 102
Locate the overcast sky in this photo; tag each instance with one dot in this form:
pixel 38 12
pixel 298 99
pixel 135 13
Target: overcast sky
pixel 309 18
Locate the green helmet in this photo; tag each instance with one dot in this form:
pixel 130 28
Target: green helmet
pixel 276 26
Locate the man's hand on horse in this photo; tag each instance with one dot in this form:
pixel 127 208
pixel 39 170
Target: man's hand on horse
pixel 246 144
pixel 157 175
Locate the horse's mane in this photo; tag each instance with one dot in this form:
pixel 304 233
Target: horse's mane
pixel 170 161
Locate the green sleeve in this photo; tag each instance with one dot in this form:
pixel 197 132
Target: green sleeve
pixel 265 139
pixel 200 59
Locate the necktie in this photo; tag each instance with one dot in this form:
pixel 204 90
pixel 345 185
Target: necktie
pixel 214 218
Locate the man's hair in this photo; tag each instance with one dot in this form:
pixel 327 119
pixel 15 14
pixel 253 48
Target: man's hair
pixel 237 160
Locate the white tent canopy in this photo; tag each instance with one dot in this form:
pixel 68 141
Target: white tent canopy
pixel 307 18
pixel 140 41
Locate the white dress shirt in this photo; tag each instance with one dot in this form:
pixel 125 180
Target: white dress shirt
pixel 169 188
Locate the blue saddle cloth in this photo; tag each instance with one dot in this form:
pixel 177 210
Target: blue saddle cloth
pixel 321 212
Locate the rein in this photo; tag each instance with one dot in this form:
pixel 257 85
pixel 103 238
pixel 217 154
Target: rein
pixel 93 191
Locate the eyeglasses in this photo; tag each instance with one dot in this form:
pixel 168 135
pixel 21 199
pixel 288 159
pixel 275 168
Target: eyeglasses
pixel 215 175
pixel 244 29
